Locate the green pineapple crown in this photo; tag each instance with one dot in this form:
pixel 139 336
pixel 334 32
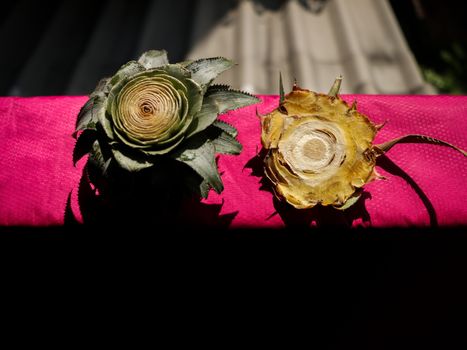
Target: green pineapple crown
pixel 151 109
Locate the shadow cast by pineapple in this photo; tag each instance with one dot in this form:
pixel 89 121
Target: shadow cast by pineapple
pixel 149 198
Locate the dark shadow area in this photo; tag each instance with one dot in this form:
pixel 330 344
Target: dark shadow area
pixel 55 39
pixel 318 216
pixel 22 24
pixel 363 292
pixel 437 35
pixel 387 164
pixel 410 296
pixel 150 199
pixel 65 47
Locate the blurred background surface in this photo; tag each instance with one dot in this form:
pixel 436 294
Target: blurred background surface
pixel 379 46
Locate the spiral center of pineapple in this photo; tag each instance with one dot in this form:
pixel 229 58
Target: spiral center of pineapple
pixel 148 109
pixel 314 149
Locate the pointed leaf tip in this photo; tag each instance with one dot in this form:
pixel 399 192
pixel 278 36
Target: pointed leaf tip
pixel 351 201
pixel 380 126
pixel 201 158
pixel 295 85
pixel 230 129
pixel 84 144
pixel 336 87
pixel 226 144
pixel 281 90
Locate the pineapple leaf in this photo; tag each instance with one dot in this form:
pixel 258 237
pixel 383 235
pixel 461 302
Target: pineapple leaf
pixel 97 166
pixel 200 156
pixel 88 115
pixel 194 182
pixel 103 86
pixel 127 70
pixel 130 163
pixel 415 138
pixel 227 99
pixel 84 116
pixel 83 145
pixel 205 117
pixel 223 141
pixel 229 129
pixel 205 70
pixel 153 59
pixel 335 87
pixel 185 63
pixel 204 188
pixel 217 100
pixel 281 90
pixel 351 201
pixel 176 70
pixel 226 144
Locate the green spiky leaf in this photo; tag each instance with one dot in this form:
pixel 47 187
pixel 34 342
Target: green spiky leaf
pixel 201 158
pixel 130 163
pixel 186 63
pixel 103 87
pixel 217 100
pixel 281 90
pixel 205 70
pixel 89 114
pixel 127 70
pixel 227 99
pixel 97 164
pixel 223 141
pixel 229 129
pixel 84 145
pixel 203 189
pixel 227 144
pixel 84 116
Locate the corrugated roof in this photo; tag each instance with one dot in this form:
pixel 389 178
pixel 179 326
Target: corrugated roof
pixel 69 45
pixel 359 39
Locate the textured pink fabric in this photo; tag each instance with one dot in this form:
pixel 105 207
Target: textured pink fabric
pixel 37 173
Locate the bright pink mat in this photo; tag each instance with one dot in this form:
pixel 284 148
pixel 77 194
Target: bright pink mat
pixel 425 183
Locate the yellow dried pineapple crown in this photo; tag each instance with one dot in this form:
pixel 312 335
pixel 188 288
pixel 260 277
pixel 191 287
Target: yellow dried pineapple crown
pixel 319 150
